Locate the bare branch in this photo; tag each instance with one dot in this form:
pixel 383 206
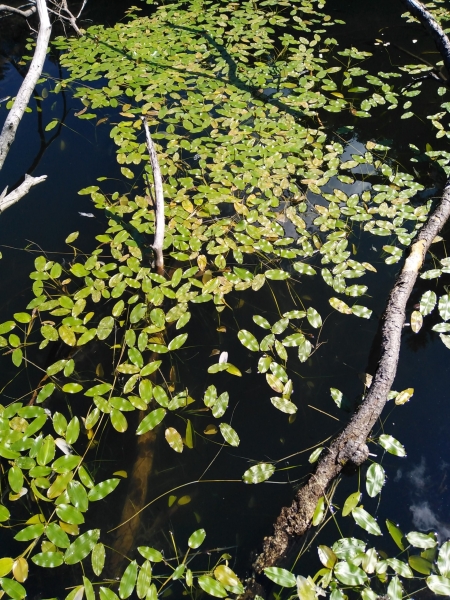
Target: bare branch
pixel 18 11
pixel 159 198
pixel 62 6
pixel 29 83
pixel 7 200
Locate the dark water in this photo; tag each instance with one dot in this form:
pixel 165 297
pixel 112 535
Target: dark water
pixel 236 516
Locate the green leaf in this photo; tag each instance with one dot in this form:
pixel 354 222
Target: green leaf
pixel 57 535
pixel 314 456
pixel 439 585
pixel 394 591
pixel 105 327
pixel 375 478
pixel 177 341
pixel 103 489
pixel 366 521
pixel 50 560
pixel 98 558
pixel 51 125
pixel 128 580
pixel 118 420
pixel 128 173
pixel 400 567
pixel 13 588
pixel 22 317
pixel 349 574
pixel 304 269
pixel 293 340
pixel 327 557
pixel 7 327
pixel 69 514
pixel 258 473
pixel 150 554
pixel 284 405
pixel 304 350
pixel 174 439
pixel 196 539
pixel 138 313
pixel 72 388
pixel 351 502
pixel 361 311
pixel 72 237
pixel 391 445
pixel 4 513
pixel 280 576
pixel 248 340
pixel 81 547
pixel 427 302
pixel 212 587
pixel 261 321
pixel 229 434
pixel 419 564
pixel 314 319
pixel 150 368
pixel 144 579
pixel 277 274
pixel 396 534
pixel 421 540
pixel 30 533
pixel 319 511
pixel 151 420
pixel 443 561
pixel 107 594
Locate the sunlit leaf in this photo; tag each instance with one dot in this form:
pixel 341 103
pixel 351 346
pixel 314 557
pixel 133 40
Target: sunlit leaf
pixel 421 540
pixel 391 445
pixel 103 489
pixel 258 473
pixel 196 539
pixel 174 439
pixel 366 521
pixel 229 434
pixel 81 547
pixel 280 576
pixel 375 478
pixel 212 587
pixel 248 340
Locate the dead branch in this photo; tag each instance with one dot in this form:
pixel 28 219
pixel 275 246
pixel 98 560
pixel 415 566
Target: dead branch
pixel 7 200
pixel 61 8
pixel 23 13
pixel 350 445
pixel 159 198
pixel 29 83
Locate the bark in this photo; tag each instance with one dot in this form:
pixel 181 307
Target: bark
pixel 433 28
pixel 159 200
pixel 29 83
pixel 350 445
pixel 23 13
pixel 61 8
pixel 7 200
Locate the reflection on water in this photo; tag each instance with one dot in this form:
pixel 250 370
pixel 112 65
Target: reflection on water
pixel 236 516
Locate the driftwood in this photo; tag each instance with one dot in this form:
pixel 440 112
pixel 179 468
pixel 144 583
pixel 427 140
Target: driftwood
pixel 159 200
pixel 7 200
pixel 17 11
pixel 350 446
pixel 29 83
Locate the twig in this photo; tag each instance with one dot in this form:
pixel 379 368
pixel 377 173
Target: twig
pixel 6 200
pixel 18 11
pixel 29 83
pixel 159 198
pixel 70 17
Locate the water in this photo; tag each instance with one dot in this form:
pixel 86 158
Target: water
pixel 236 517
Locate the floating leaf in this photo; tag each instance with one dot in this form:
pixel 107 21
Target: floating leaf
pixel 314 319
pixel 439 585
pixel 349 574
pixel 314 456
pixel 340 306
pixel 103 489
pixel 229 434
pixel 174 439
pixel 258 473
pixel 98 558
pixel 49 560
pixel 228 578
pixel 443 561
pixel 277 274
pixel 319 511
pixel 284 405
pixel 13 588
pixel 361 311
pixel 375 478
pixel 391 445
pixel 419 564
pixel 416 321
pixel 396 534
pixel 81 547
pixel 326 556
pixel 421 540
pixel 394 591
pixel 151 420
pixel 128 580
pixel 366 521
pixel 72 237
pixel 197 539
pixel 404 396
pixel 427 302
pixel 177 341
pixel 248 340
pixel 304 350
pixel 72 388
pixel 280 576
pixel 212 587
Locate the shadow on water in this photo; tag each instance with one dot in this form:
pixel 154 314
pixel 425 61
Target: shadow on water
pixel 237 517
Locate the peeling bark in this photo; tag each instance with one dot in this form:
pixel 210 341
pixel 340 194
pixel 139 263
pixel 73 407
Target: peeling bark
pixel 29 83
pixel 7 200
pixel 17 11
pixel 159 200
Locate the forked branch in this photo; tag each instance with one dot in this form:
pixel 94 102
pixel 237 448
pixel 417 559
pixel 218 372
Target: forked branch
pixel 7 200
pixel 18 11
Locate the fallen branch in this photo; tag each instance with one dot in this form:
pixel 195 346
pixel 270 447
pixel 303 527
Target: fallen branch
pixel 433 28
pixel 23 13
pixel 159 199
pixel 29 83
pixel 7 200
pixel 350 446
